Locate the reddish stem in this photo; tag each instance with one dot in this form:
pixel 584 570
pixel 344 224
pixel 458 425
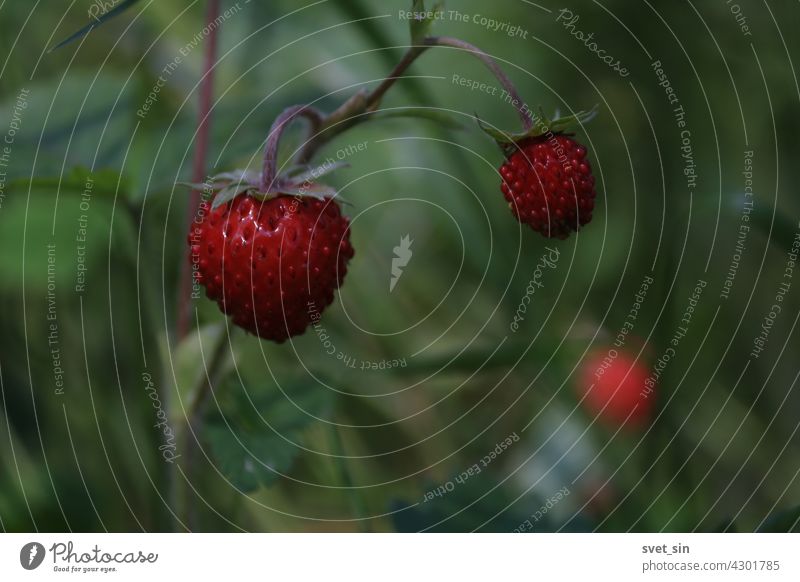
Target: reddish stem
pixel 199 163
pixel 362 103
pixel 374 98
pixel 491 64
pixel 279 126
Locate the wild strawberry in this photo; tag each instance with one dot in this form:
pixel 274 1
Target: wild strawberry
pixel 615 389
pixel 272 265
pixel 548 184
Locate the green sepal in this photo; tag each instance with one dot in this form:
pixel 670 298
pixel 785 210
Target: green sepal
pixel 318 191
pixel 297 181
pixel 310 174
pixel 542 125
pixel 420 25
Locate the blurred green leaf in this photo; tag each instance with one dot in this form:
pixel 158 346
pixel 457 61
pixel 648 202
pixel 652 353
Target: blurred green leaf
pixel 484 355
pixel 188 360
pixel 249 459
pixel 49 228
pixel 727 525
pixel 253 439
pixel 787 521
pixel 466 507
pixel 377 36
pixel 77 180
pixel 781 230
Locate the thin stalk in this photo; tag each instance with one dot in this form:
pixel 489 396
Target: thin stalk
pixel 373 100
pixel 191 429
pixel 352 111
pixel 492 65
pixel 354 499
pixel 279 126
pixel 346 116
pixel 199 162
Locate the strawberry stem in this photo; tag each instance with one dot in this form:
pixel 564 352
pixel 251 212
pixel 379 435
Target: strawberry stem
pixel 179 493
pixel 374 98
pixel 345 117
pixel 491 64
pixel 279 126
pixel 324 128
pixel 190 430
pixel 199 163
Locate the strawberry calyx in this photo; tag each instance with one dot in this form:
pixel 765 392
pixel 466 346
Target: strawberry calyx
pixel 542 125
pixel 298 180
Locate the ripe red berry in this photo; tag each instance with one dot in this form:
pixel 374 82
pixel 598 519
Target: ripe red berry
pixel 548 184
pixel 273 265
pixel 615 389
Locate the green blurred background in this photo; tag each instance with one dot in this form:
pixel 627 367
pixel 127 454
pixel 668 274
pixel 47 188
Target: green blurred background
pixel 294 439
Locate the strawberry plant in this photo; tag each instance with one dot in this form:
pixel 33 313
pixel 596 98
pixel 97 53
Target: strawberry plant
pixel 258 274
pixel 272 247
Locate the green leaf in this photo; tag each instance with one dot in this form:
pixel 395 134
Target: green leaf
pixel 249 459
pixel 780 229
pixel 78 179
pixel 486 511
pixel 188 362
pixel 486 356
pixel 318 191
pixel 727 525
pixel 56 212
pixel 422 21
pixel 254 439
pixel 116 11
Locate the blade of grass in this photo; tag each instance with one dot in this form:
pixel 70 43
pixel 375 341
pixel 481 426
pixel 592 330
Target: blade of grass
pixel 98 21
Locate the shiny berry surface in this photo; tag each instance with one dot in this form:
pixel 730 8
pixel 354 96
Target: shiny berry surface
pixel 549 185
pixel 272 266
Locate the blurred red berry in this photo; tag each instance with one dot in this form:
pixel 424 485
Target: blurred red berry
pixel 549 185
pixel 615 389
pixel 273 265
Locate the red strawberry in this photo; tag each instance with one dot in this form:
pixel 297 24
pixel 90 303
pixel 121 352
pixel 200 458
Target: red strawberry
pixel 616 389
pixel 272 265
pixel 548 184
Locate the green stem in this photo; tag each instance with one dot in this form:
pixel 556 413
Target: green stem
pixel 191 429
pixel 353 111
pixel 491 64
pixel 411 55
pixel 357 505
